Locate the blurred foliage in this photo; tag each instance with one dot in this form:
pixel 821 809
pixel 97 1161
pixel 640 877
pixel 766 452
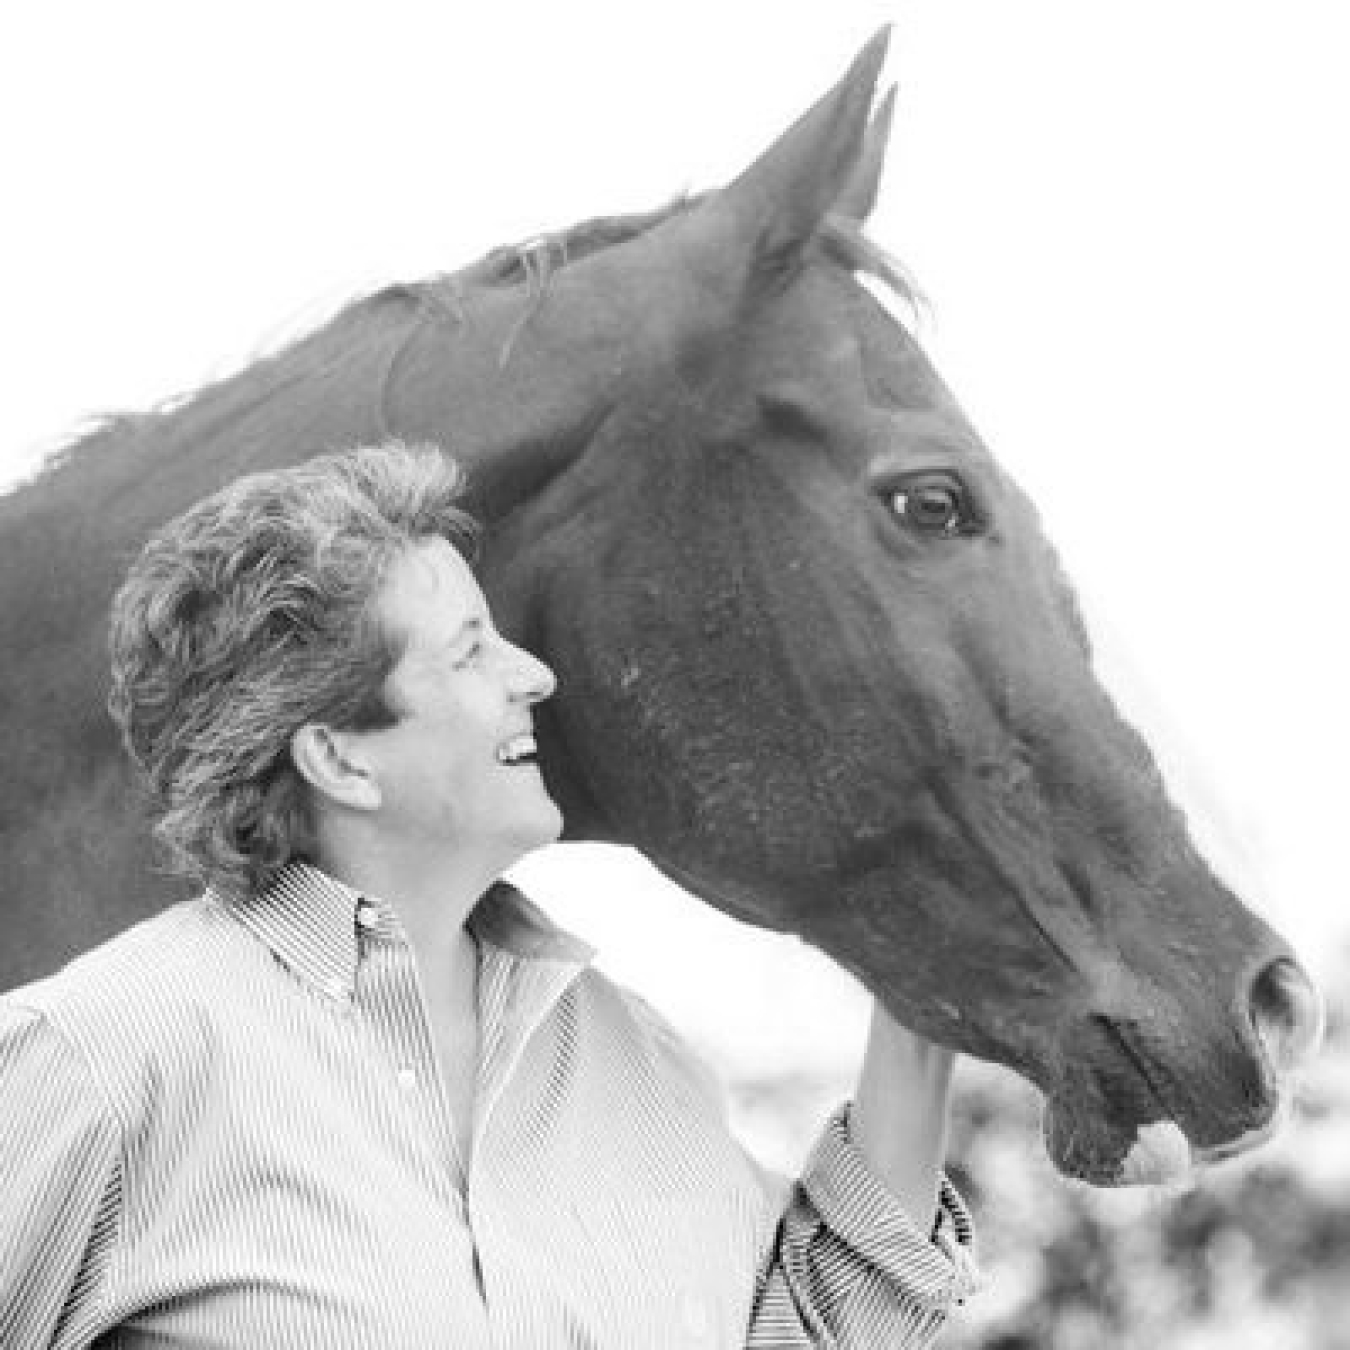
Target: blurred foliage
pixel 1252 1254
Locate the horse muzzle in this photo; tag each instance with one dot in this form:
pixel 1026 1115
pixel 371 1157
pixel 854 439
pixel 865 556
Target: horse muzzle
pixel 1144 1101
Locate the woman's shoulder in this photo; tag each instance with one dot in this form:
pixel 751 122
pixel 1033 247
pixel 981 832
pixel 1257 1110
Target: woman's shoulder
pixel 108 1005
pixel 128 966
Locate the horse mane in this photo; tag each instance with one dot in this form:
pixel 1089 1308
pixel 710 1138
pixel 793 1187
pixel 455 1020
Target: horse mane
pixel 534 261
pixel 347 332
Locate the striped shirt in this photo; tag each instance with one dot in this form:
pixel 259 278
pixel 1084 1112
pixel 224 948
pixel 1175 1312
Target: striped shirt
pixel 226 1128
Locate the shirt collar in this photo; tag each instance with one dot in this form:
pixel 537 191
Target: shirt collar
pixel 308 919
pixel 505 919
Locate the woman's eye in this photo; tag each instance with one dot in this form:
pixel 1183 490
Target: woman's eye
pixel 939 507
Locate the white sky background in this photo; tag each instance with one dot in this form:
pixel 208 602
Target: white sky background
pixel 1129 219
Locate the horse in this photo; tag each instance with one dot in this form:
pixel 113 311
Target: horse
pixel 816 658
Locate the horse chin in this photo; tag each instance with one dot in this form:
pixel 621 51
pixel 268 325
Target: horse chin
pixel 1153 1154
pixel 1156 1153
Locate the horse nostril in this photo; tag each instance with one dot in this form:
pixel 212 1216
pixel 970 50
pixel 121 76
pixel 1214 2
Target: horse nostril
pixel 1288 1013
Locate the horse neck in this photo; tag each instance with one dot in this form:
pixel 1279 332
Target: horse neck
pixel 490 386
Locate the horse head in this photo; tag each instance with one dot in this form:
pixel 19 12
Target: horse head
pixel 818 661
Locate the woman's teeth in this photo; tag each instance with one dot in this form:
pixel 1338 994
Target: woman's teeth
pixel 518 748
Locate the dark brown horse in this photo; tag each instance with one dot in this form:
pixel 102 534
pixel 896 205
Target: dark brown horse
pixel 816 659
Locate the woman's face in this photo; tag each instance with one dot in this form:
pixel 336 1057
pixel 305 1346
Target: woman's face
pixel 457 769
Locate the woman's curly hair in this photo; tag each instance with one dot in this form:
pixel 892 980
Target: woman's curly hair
pixel 251 615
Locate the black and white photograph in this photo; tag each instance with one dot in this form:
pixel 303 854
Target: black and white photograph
pixel 674 676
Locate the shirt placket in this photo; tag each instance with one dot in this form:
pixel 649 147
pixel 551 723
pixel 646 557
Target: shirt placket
pixel 389 994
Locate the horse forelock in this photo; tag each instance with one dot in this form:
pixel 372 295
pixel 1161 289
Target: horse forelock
pixel 846 243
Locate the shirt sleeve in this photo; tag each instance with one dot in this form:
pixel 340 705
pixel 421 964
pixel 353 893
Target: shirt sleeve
pixel 848 1267
pixel 59 1175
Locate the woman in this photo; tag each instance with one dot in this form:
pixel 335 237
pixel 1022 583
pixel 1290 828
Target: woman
pixel 360 1092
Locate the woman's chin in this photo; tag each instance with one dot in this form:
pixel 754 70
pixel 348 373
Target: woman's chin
pixel 545 827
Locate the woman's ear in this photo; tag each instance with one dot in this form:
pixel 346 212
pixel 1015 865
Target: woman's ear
pixel 331 763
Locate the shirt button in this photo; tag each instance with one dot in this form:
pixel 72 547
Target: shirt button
pixel 366 915
pixel 407 1079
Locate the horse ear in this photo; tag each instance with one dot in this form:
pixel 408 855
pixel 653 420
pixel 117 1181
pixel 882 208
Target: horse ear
pixel 860 194
pixel 777 204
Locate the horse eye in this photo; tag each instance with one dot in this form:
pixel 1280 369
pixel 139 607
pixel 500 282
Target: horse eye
pixel 933 506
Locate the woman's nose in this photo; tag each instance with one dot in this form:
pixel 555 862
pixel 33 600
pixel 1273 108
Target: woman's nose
pixel 533 679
